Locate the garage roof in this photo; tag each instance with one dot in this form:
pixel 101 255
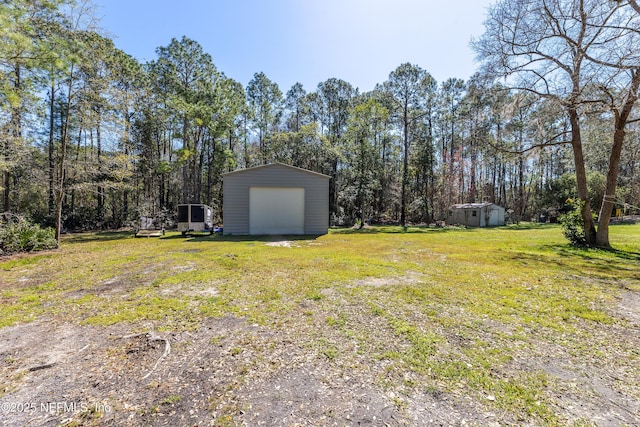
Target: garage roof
pixel 276 164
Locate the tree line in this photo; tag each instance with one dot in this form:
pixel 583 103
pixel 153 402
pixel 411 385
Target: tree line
pixel 92 138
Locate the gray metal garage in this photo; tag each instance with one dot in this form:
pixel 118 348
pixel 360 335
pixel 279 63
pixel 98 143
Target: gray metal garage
pixel 275 199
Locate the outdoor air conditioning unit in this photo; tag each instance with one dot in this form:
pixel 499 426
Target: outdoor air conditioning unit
pixel 195 217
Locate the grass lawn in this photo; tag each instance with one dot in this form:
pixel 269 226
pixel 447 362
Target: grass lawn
pixel 501 326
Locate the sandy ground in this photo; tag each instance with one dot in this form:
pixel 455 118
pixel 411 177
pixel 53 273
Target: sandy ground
pixel 230 372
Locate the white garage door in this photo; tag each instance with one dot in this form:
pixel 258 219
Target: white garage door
pixel 276 210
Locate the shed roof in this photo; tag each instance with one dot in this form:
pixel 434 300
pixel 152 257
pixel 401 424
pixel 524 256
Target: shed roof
pixel 471 205
pixel 277 164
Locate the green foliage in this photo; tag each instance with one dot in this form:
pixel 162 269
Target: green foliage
pixel 18 235
pixel 403 152
pixel 557 191
pixel 365 127
pixel 264 101
pixel 572 222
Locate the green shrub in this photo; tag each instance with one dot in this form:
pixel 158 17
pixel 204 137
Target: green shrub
pixel 572 222
pixel 18 235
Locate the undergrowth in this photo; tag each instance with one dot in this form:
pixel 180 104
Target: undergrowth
pixel 18 235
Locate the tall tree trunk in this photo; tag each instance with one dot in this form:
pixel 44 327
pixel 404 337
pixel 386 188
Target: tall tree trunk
pixel 197 162
pixel 263 146
pixel 383 179
pixel 100 189
pixel 51 151
pixel 245 141
pixel 72 203
pixel 211 152
pixel 127 136
pixel 13 138
pixel 333 188
pixel 405 169
pixel 7 180
pixel 186 198
pixel 502 181
pixel 473 161
pixel 430 181
pixel 622 117
pixel 608 201
pixel 581 177
pixel 63 152
pixel 361 172
pixel 521 196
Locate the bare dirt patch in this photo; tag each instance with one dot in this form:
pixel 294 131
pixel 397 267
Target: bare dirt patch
pixel 322 368
pixel 227 372
pixel 406 279
pixel 280 243
pixel 629 308
pixel 200 289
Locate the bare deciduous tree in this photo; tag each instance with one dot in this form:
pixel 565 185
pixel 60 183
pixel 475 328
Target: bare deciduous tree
pixel 560 50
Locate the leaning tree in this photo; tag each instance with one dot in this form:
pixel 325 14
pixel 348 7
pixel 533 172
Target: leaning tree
pixel 578 54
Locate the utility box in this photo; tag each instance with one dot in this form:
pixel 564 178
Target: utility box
pixel 195 217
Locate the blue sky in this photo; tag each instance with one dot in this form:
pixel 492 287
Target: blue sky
pixel 306 41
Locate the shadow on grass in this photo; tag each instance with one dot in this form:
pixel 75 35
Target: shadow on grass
pixel 377 229
pixel 397 229
pixel 530 226
pixel 172 235
pixel 102 236
pixel 217 237
pixel 593 254
pixel 581 261
pixel 180 236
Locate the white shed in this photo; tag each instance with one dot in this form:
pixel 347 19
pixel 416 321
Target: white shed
pixel 476 215
pixel 275 199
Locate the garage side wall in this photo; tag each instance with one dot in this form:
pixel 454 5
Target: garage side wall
pixel 236 187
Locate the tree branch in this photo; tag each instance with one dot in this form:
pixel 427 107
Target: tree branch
pixel 634 4
pixel 547 143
